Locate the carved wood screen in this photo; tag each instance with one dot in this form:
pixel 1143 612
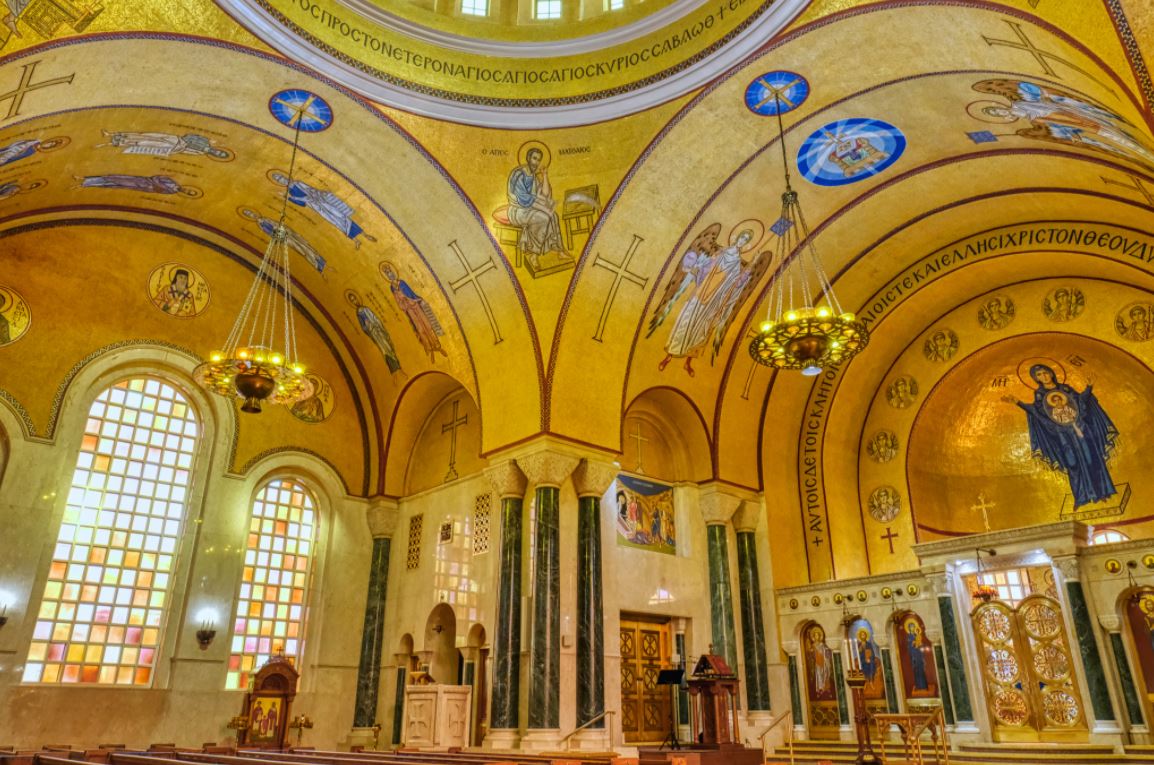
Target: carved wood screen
pixel 1028 672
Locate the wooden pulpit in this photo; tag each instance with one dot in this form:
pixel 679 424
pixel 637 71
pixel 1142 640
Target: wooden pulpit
pixel 713 702
pixel 267 705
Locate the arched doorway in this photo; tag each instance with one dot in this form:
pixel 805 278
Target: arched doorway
pixel 440 653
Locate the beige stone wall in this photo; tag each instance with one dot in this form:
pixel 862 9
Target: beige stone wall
pixel 187 703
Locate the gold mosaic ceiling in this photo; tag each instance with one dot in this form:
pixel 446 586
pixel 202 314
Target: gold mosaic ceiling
pixel 951 120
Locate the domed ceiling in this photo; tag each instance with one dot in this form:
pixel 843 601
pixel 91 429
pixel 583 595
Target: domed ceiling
pixel 944 152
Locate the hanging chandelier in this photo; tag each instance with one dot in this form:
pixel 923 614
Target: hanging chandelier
pixel 258 362
pixel 796 334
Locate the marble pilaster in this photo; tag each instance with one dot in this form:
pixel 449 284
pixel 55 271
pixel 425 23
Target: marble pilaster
pixel 546 470
pixel 1126 680
pixel 752 622
pixel 382 520
pixel 891 689
pixel 955 660
pixel 839 675
pixel 795 691
pixel 717 508
pixel 944 679
pixel 591 480
pixel 509 484
pixel 1088 648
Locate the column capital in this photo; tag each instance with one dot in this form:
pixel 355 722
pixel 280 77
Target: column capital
pixel 547 467
pixel 1070 566
pixel 591 478
pixel 748 516
pixel 718 505
pixel 1110 622
pixel 381 515
pixel 506 479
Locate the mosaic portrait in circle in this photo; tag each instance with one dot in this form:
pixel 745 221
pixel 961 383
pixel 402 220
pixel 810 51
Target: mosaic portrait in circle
pixel 178 290
pixel 15 316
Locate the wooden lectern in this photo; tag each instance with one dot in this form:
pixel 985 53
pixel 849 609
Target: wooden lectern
pixel 713 702
pixel 264 721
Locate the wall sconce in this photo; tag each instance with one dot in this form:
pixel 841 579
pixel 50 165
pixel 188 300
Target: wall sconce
pixel 5 601
pixel 207 631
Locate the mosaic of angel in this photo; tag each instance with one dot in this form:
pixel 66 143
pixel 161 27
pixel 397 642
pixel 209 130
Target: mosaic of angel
pixel 336 211
pixel 1061 116
pixel 156 144
pixel 714 282
pixel 421 317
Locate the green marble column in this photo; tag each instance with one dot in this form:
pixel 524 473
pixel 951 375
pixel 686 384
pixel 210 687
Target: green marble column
pixel 944 683
pixel 399 709
pixel 1088 646
pixel 369 672
pixel 721 598
pixel 752 623
pixel 888 672
pixel 955 660
pixel 590 616
pixel 839 680
pixel 545 657
pixel 1126 678
pixel 507 645
pixel 794 691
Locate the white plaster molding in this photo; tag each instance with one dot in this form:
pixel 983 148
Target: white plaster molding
pixel 1068 535
pixel 856 583
pixel 747 42
pixel 573 46
pixel 790 647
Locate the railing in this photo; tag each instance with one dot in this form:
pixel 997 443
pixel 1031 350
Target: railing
pixel 607 713
pixel 913 725
pixel 786 715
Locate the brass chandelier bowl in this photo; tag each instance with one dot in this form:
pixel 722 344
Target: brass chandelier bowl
pixel 808 339
pixel 254 375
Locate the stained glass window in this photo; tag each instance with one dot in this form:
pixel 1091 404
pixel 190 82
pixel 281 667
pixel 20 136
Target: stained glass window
pixel 453 580
pixel 271 608
pixel 104 603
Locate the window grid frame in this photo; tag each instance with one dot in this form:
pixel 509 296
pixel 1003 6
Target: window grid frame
pixel 475 8
pixel 548 10
pixel 104 604
pixel 249 645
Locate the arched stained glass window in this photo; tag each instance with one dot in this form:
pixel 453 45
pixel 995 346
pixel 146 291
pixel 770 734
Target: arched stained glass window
pixel 106 596
pixel 271 607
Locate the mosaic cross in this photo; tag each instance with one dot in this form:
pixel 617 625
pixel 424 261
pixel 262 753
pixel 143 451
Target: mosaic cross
pixel 450 427
pixel 26 86
pixel 471 277
pixel 1135 184
pixel 621 273
pixel 641 440
pixel 1043 57
pixel 983 506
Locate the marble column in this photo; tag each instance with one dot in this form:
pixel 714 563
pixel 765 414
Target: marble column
pixel 591 480
pixel 717 508
pixel 1083 625
pixel 953 656
pixel 752 621
pixel 546 470
pixel 508 484
pixel 1112 624
pixel 382 520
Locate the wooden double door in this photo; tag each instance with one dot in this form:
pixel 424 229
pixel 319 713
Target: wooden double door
pixel 645 651
pixel 1028 671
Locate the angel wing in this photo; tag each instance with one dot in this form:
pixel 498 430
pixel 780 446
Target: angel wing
pixel 704 244
pixel 754 271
